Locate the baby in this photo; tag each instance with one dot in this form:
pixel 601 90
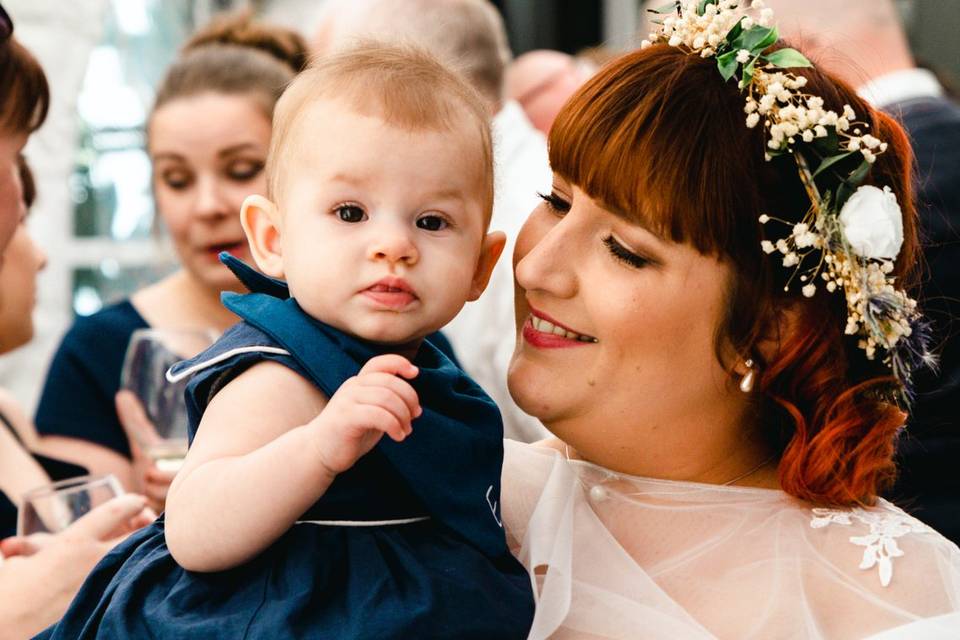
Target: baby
pixel 293 516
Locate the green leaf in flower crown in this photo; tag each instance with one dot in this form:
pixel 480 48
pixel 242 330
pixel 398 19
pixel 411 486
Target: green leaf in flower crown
pixel 702 7
pixel 787 59
pixel 756 39
pixel 727 64
pixel 670 7
pixel 859 174
pixel 831 161
pixel 747 78
pixel 828 145
pixel 849 186
pixel 732 36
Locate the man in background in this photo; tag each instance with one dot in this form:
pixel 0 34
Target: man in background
pixel 541 81
pixel 864 43
pixel 470 36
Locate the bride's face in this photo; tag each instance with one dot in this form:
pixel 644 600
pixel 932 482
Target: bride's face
pixel 638 316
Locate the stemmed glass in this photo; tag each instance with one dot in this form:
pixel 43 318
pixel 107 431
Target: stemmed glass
pixel 53 507
pixel 162 436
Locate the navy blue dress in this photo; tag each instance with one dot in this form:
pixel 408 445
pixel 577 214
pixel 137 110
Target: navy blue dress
pixel 84 376
pixel 406 544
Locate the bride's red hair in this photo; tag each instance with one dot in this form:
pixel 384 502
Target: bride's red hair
pixel 657 136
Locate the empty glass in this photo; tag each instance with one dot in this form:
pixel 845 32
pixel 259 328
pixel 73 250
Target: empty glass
pixel 151 352
pixel 53 507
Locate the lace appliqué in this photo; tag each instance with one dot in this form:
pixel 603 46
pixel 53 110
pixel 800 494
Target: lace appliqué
pixel 880 545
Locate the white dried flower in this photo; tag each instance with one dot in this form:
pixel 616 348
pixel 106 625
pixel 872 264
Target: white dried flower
pixel 743 56
pixel 767 246
pixel 747 23
pixel 752 120
pixel 809 291
pixel 764 219
pixel 808 136
pixel 791 260
pixel 645 44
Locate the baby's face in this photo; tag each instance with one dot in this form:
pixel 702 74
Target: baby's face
pixel 380 228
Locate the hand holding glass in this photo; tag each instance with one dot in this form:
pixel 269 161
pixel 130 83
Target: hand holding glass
pixel 53 507
pixel 162 432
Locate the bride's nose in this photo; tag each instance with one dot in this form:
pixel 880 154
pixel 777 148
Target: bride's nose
pixel 546 258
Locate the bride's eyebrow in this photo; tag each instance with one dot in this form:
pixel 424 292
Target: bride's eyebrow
pixel 639 220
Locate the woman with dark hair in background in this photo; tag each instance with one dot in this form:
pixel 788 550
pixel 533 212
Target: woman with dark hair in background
pixel 208 135
pixel 715 324
pixel 39 575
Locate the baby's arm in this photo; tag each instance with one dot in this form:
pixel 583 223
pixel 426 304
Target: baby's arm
pixel 268 446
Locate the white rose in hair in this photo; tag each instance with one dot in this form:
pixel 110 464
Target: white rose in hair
pixel 873 223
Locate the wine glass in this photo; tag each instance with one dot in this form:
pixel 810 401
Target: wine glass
pixel 53 507
pixel 151 352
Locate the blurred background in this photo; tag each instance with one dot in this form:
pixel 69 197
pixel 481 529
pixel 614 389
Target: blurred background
pixel 95 213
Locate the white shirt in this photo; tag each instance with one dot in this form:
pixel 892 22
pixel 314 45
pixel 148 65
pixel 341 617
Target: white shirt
pixel 484 333
pixel 901 86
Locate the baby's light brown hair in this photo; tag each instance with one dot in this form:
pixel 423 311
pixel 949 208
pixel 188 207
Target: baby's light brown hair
pixel 403 85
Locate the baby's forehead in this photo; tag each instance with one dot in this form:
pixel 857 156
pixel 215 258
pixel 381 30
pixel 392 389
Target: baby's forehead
pixel 348 126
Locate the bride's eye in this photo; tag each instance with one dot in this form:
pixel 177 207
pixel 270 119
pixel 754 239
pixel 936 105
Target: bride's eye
pixel 623 254
pixel 350 213
pixel 557 204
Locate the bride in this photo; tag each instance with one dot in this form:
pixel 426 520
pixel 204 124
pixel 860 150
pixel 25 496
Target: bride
pixel 726 361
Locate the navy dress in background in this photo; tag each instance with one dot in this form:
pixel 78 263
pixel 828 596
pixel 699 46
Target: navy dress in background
pixel 406 544
pixel 84 376
pixel 55 469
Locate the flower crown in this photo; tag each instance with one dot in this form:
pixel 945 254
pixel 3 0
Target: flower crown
pixel 851 234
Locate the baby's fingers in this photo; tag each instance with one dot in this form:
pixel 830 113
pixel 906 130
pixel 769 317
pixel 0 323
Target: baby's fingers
pixel 389 401
pixel 393 364
pixel 396 385
pixel 383 420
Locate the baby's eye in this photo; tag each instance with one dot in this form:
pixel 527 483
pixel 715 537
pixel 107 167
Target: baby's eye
pixel 432 223
pixel 350 213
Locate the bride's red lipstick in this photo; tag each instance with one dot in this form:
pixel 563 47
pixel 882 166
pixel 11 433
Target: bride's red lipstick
pixel 541 331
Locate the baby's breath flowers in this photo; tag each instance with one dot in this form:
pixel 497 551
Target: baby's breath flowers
pixel 852 234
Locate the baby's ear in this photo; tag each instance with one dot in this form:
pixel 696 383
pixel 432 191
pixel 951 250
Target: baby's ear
pixel 261 222
pixel 493 245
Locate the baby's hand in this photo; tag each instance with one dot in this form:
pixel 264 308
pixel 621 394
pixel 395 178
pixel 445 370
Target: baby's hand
pixel 376 401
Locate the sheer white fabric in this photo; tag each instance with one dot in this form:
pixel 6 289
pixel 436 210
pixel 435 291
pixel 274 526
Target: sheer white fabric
pixel 616 556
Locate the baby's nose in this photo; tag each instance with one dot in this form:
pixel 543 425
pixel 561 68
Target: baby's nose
pixel 394 246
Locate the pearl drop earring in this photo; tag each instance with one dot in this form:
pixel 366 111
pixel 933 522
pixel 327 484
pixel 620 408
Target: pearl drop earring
pixel 746 383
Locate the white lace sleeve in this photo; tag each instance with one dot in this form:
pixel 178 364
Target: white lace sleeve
pixel 880 544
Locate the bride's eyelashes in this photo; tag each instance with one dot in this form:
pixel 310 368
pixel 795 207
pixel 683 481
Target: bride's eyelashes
pixel 623 254
pixel 557 204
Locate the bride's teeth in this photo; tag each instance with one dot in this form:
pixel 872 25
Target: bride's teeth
pixel 544 326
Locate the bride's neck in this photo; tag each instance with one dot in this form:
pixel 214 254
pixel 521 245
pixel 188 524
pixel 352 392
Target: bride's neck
pixel 737 454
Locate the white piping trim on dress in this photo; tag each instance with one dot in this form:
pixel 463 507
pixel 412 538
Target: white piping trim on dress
pixel 177 377
pixel 362 523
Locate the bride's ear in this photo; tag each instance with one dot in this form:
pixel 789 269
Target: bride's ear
pixel 261 222
pixel 777 330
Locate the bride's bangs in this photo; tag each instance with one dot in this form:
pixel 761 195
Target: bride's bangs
pixel 646 140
